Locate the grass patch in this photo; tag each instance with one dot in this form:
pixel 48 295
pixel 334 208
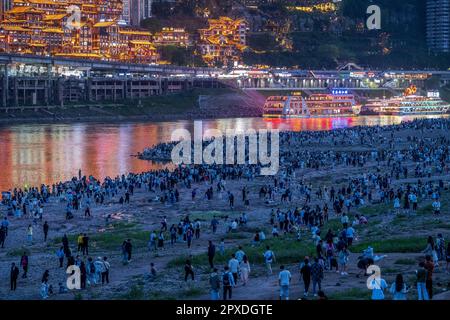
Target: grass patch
pixel 192 292
pixel 18 252
pixel 406 262
pixel 235 236
pixel 376 209
pixel 136 293
pixel 403 245
pixel 351 294
pixel 208 215
pixel 287 250
pixel 159 295
pixel 425 209
pixel 333 224
pixel 111 239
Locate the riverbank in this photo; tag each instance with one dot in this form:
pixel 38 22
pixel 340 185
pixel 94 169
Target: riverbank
pixel 400 234
pixel 190 105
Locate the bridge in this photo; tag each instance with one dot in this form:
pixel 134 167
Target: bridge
pixel 97 65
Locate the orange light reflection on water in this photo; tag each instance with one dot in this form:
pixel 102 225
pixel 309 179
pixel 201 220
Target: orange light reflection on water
pixel 31 154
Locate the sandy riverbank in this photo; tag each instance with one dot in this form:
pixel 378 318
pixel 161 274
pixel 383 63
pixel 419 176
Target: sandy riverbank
pixel 401 237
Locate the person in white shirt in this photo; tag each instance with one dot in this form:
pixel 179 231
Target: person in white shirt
pixel 437 207
pixel 233 264
pixel 269 258
pixel 284 280
pixel 350 233
pixel 378 285
pixel 344 219
pixel 240 254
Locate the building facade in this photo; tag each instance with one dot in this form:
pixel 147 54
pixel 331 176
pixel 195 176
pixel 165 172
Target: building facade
pixel 44 27
pixel 224 41
pixel 438 25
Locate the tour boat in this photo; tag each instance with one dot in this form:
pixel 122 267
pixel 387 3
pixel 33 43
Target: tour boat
pixel 407 104
pixel 338 103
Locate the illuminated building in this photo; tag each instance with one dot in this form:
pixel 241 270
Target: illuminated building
pixel 438 25
pixel 310 6
pixel 171 36
pixel 134 11
pixel 42 27
pixel 223 41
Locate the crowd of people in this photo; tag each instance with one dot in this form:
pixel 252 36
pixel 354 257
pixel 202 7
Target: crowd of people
pixel 299 205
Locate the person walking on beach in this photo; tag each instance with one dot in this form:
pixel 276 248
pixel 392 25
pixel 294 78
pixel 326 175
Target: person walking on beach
pixel 80 242
pixel 152 242
pixel 5 225
pixel 45 228
pixel 189 235
pixel 429 267
pixel 44 285
pixel 399 288
pixel 105 270
pixel 14 274
pixel 316 275
pixel 85 245
pixel 128 249
pixel 378 285
pixel 228 283
pixel 211 253
pixel 161 240
pixel 421 282
pixel 2 237
pixel 284 279
pixel 24 264
pixel 305 271
pixel 214 281
pixel 188 270
pixel 65 243
pixel 269 258
pixel 233 264
pixel 245 270
pixel 60 254
pixel 343 260
pixel 30 234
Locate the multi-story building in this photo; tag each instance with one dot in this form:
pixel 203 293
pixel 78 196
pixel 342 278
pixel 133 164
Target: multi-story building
pixel 172 36
pixel 134 11
pixel 438 25
pixel 223 41
pixel 44 27
pixel 5 5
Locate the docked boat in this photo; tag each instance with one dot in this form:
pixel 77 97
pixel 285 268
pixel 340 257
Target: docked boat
pixel 334 104
pixel 407 104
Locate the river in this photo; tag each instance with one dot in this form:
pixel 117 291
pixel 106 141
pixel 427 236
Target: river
pixel 32 154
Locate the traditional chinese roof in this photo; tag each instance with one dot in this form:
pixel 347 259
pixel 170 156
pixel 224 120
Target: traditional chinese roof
pixel 142 43
pixel 105 24
pixel 54 3
pixel 136 32
pixel 53 30
pixel 80 55
pixel 14 28
pixel 40 45
pixel 24 10
pixel 52 17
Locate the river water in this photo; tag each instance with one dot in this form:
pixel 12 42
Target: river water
pixel 32 154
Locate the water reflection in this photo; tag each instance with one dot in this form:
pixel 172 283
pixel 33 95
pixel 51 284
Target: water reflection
pixel 31 154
